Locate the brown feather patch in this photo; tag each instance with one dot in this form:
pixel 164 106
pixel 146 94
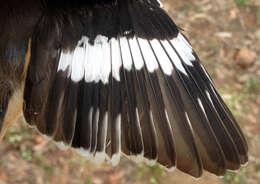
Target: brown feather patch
pixel 27 60
pixel 14 111
pixel 15 104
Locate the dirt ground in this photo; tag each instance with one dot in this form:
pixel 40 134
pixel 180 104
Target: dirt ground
pixel 226 36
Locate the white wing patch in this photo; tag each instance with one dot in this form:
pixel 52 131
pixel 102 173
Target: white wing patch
pixel 161 5
pixel 65 62
pixel 106 57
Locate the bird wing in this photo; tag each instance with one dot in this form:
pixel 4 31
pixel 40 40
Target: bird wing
pixel 118 77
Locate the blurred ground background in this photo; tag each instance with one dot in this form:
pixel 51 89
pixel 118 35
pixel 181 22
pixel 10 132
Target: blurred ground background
pixel 226 35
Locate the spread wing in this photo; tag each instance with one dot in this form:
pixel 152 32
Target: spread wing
pixel 118 77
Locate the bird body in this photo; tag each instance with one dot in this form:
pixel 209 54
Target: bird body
pixel 113 77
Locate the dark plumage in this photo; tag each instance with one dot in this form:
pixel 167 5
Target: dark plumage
pixel 112 77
